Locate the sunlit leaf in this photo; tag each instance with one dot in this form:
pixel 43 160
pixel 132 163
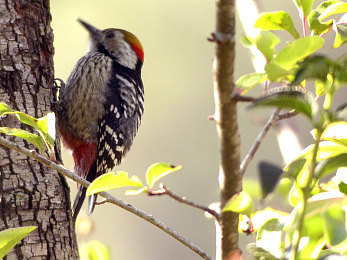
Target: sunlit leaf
pixel 259 252
pixel 279 20
pixel 266 43
pixel 41 125
pixel 295 167
pixel 336 8
pixel 248 81
pixel 295 195
pixel 305 6
pixel 315 24
pixel 157 171
pixel 46 126
pixel 335 228
pixel 10 237
pixel 337 131
pixel 313 234
pixel 330 165
pixel 275 71
pixel 95 250
pixel 111 180
pixel 4 108
pixel 320 88
pixel 343 187
pixel 240 203
pixel 32 138
pixel 341 34
pixel 298 50
pixel 269 237
pixel 247 41
pixel 261 216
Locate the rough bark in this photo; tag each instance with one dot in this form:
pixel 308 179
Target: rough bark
pixel 31 194
pixel 226 122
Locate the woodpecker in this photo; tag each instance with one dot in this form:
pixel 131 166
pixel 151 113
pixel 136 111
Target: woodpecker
pixel 101 105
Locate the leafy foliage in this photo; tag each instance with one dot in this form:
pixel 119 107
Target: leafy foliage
pixel 111 180
pixel 10 237
pixel 44 126
pixel 317 218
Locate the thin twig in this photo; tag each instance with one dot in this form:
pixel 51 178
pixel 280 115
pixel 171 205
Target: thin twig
pixel 165 191
pixel 285 116
pixel 240 98
pixel 149 218
pixel 274 118
pixel 258 141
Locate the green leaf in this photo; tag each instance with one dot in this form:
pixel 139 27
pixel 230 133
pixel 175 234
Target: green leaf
pixel 335 228
pixel 271 231
pixel 275 72
pixel 46 126
pixel 343 187
pixel 111 180
pixel 279 20
pixel 336 132
pixel 313 224
pixel 32 138
pixel 240 203
pixel 315 24
pixel 320 88
pixel 314 67
pixel 295 167
pixel 305 6
pixel 262 216
pixel 336 8
pixel 10 237
pixel 260 253
pixel 248 81
pixel 289 100
pixel 298 50
pixel 283 64
pixel 341 34
pixel 314 237
pixel 159 170
pixel 4 108
pixel 266 43
pixel 295 195
pixel 330 165
pixel 94 250
pixel 247 41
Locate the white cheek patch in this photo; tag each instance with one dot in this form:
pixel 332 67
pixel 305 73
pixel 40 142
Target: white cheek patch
pixel 126 56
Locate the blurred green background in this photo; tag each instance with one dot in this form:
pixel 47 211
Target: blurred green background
pixel 177 75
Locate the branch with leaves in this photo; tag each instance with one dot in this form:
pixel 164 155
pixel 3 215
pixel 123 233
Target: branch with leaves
pixel 109 198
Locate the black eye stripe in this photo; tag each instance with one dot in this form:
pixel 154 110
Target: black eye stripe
pixel 110 35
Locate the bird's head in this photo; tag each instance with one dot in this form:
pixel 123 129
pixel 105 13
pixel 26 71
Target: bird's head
pixel 119 44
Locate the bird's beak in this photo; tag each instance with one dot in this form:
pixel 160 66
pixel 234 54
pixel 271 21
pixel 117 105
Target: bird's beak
pixel 94 32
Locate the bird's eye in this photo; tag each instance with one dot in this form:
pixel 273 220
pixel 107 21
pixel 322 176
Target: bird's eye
pixel 110 35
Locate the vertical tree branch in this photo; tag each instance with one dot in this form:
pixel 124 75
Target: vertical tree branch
pixel 226 122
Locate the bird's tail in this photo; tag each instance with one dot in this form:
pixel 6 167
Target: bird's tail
pixel 81 195
pixel 91 203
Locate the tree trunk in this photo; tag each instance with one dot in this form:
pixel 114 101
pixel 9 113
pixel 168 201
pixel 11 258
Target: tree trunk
pixel 31 194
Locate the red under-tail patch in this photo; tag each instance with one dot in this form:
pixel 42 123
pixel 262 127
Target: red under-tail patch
pixel 84 157
pixel 84 153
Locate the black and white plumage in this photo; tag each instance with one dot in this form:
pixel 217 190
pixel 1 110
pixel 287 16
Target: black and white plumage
pixel 102 104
